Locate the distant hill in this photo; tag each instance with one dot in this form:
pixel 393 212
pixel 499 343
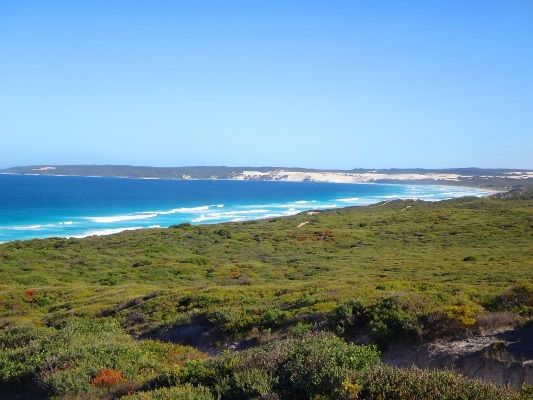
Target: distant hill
pixel 130 171
pixel 497 178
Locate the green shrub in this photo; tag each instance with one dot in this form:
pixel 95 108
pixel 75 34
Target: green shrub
pixel 229 376
pixel 15 366
pixel 231 321
pixel 390 318
pixel 19 335
pixel 198 372
pixel 274 316
pixel 318 366
pixel 186 392
pixel 64 362
pixel 183 225
pixel 246 384
pixel 294 368
pixel 517 298
pixel 18 352
pixel 346 315
pixel 417 384
pixel 301 328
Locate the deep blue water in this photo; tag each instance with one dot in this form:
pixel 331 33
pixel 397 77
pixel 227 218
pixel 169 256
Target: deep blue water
pixel 45 206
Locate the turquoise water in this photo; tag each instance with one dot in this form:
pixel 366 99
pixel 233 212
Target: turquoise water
pixel 47 206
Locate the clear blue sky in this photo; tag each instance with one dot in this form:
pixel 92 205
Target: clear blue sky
pixel 338 84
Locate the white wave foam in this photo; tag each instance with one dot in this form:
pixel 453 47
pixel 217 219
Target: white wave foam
pixel 333 205
pixel 25 227
pixel 148 214
pixel 183 210
pixel 291 211
pixel 213 216
pixel 36 227
pixel 103 232
pixel 201 218
pixel 258 211
pixel 349 199
pixel 120 218
pixel 273 215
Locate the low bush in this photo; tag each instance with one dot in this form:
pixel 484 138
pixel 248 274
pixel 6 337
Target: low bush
pixel 107 377
pixel 391 317
pixel 19 357
pixel 274 316
pixel 301 368
pixel 246 384
pixel 186 392
pixel 517 298
pixel 464 313
pixel 415 384
pixel 301 328
pixel 347 315
pixel 86 356
pixel 493 320
pixel 319 365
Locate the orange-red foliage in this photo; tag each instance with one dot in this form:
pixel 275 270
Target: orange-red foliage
pixel 107 377
pixel 29 294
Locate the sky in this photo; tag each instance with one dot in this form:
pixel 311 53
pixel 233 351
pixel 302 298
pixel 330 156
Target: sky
pixel 323 84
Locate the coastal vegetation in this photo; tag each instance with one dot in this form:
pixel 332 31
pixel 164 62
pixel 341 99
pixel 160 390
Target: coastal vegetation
pixel 268 309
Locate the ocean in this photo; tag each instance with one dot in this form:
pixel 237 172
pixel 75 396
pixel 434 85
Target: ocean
pixel 72 206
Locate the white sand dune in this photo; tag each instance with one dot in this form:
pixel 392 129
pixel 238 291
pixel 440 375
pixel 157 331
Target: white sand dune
pixel 340 177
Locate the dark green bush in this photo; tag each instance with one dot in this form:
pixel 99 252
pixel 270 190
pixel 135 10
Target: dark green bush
pixel 347 315
pixel 416 384
pixel 301 328
pixel 198 372
pixel 246 384
pixel 390 318
pixel 517 299
pixel 18 352
pixel 65 361
pixel 186 392
pixel 274 316
pixel 294 368
pixel 231 321
pixel 182 225
pixel 318 365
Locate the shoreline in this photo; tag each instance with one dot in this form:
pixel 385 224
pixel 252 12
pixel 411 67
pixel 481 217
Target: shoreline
pixel 291 211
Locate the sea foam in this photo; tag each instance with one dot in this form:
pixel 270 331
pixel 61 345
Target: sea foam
pixel 102 232
pixel 121 218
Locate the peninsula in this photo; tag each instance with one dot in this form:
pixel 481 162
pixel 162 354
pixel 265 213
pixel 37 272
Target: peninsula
pixel 497 178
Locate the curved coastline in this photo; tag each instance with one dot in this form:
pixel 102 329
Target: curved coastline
pixel 235 209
